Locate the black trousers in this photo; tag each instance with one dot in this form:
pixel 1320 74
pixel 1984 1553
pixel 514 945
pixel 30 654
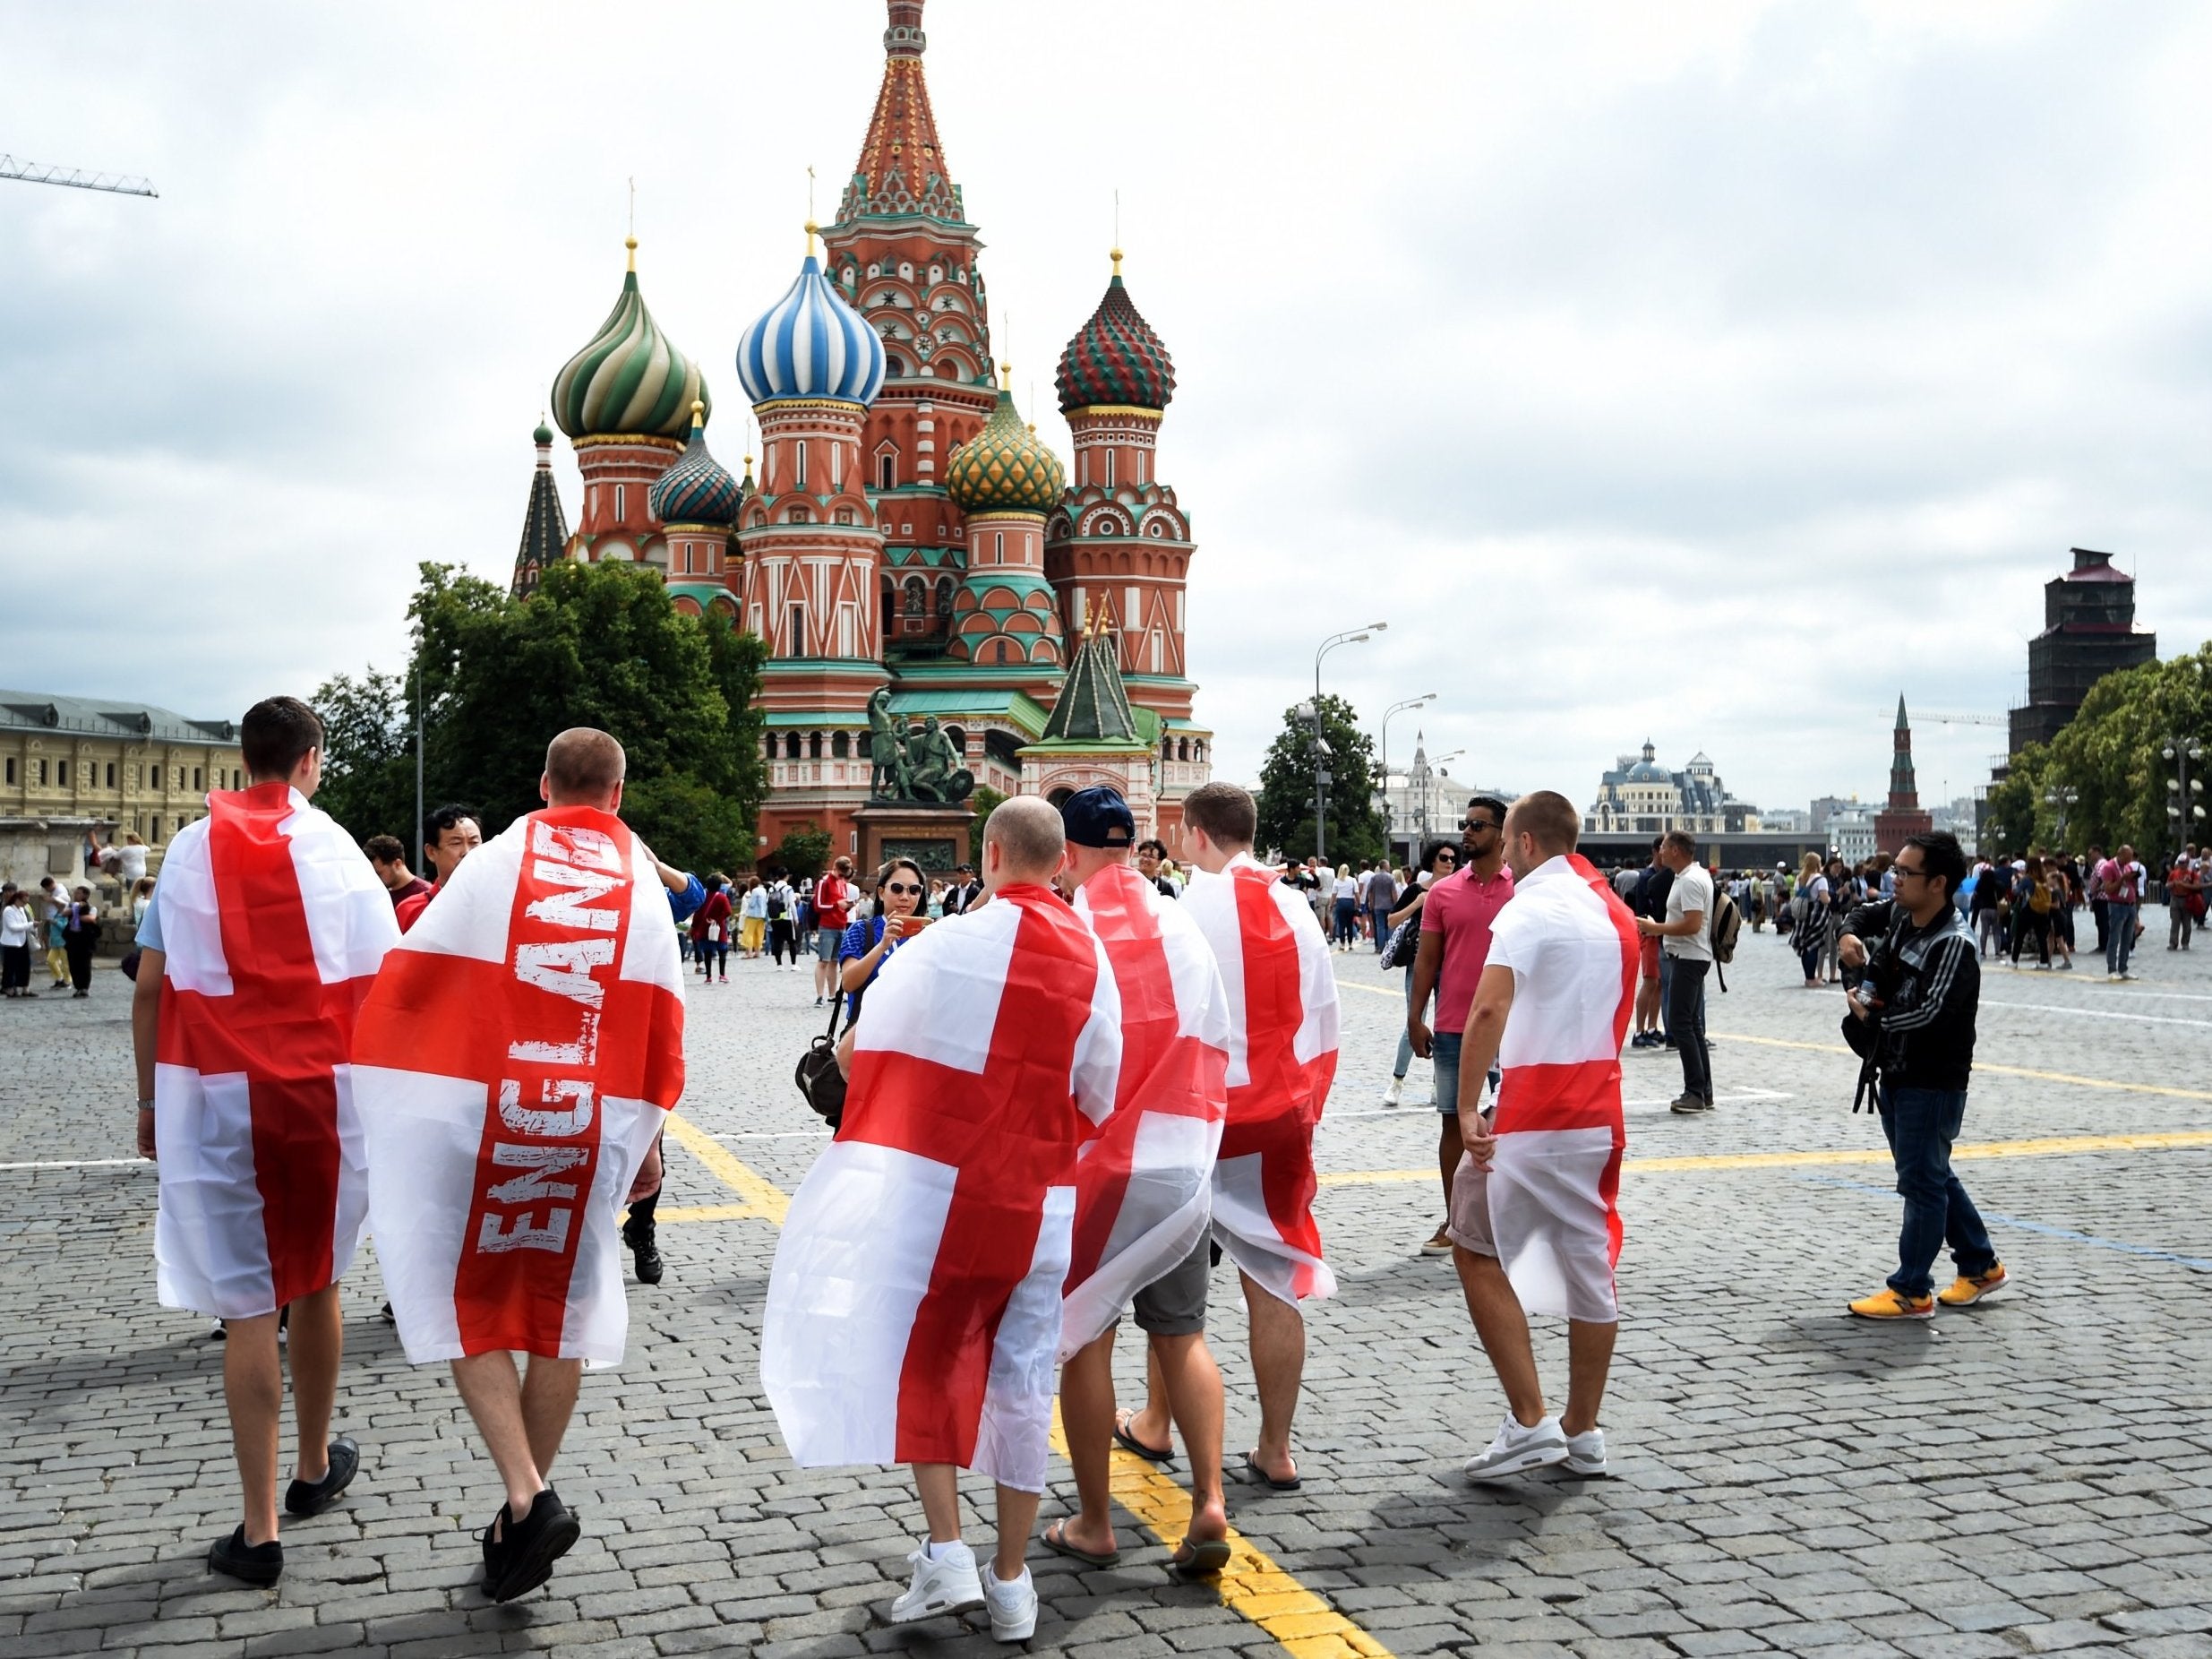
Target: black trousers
pixel 1685 1019
pixel 80 960
pixel 781 939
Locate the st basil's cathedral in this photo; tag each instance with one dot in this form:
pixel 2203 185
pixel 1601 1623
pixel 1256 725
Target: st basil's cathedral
pixel 910 542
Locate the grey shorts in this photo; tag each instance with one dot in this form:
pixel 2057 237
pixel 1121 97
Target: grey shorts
pixel 826 942
pixel 1174 1304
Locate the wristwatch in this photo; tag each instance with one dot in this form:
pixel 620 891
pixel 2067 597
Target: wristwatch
pixel 146 1105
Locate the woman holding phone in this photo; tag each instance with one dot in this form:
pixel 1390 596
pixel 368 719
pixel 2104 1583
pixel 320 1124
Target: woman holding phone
pixel 900 888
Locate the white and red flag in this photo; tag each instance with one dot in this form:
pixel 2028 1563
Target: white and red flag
pixel 1144 1189
pixel 522 1048
pixel 913 1312
pixel 1573 947
pixel 1283 1018
pixel 272 924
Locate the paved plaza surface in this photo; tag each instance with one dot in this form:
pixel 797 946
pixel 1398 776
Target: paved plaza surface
pixel 2028 1477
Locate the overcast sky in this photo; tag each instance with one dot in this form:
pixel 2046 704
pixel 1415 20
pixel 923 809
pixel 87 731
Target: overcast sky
pixel 1712 373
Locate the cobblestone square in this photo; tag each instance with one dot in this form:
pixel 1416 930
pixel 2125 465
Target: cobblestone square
pixel 2030 1477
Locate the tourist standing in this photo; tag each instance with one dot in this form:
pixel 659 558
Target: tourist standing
pixel 54 930
pixel 1915 1003
pixel 1151 857
pixel 1684 936
pixel 869 940
pixel 2184 884
pixel 79 936
pixel 710 933
pixel 1534 1226
pixel 782 935
pixel 246 1102
pixel 1344 899
pixel 2122 881
pixel 2031 913
pixel 19 925
pixel 1456 943
pixel 754 918
pixel 1440 861
pixel 390 860
pixel 2094 881
pixel 832 896
pixel 1381 897
pixel 1650 901
pixel 450 835
pixel 1808 922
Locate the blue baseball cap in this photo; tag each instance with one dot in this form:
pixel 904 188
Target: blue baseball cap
pixel 1098 817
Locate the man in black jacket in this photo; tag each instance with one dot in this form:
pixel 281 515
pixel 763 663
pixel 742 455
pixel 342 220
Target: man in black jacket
pixel 1922 987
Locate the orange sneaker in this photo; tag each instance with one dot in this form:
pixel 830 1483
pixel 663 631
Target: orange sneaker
pixel 1965 1292
pixel 1888 1304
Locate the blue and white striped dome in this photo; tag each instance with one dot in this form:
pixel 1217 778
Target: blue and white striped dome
pixel 810 344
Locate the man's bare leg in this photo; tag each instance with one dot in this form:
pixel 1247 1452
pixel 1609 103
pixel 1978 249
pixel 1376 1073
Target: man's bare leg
pixel 548 1402
pixel 1590 1357
pixel 1503 1329
pixel 1087 1418
pixel 1277 1335
pixel 317 1338
pixel 1450 1149
pixel 492 1392
pixel 1151 1426
pixel 1193 1383
pixel 938 1486
pixel 1017 1515
pixel 254 1390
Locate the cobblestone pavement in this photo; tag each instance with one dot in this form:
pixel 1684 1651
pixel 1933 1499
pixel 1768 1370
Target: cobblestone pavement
pixel 2030 1477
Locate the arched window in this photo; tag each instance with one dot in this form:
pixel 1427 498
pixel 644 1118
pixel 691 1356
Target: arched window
pixel 998 546
pixel 944 595
pixel 814 745
pixel 841 746
pixel 917 597
pixel 886 471
pixel 958 738
pixel 791 746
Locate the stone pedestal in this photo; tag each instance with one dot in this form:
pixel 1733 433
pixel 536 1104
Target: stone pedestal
pixel 936 837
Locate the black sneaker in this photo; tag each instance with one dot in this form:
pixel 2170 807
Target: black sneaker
pixel 306 1497
pixel 517 1563
pixel 644 1253
pixel 249 1563
pixel 1689 1105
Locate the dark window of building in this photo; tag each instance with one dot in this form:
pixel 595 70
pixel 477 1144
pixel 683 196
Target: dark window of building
pixel 814 745
pixel 11 769
pixel 886 472
pixel 791 746
pixel 61 772
pixel 38 773
pixel 196 773
pixel 111 774
pixel 154 777
pixel 841 746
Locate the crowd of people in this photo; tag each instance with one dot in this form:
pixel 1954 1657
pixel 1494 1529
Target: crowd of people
pixel 1076 1076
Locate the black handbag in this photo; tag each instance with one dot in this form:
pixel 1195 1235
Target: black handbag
pixel 819 1076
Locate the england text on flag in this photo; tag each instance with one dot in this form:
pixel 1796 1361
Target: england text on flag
pixel 1275 964
pixel 913 1312
pixel 514 1063
pixel 272 925
pixel 1144 1189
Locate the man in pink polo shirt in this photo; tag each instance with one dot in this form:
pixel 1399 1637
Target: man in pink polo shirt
pixel 1455 944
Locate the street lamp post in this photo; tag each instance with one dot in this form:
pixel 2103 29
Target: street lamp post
pixel 2062 804
pixel 1390 826
pixel 1321 758
pixel 2182 789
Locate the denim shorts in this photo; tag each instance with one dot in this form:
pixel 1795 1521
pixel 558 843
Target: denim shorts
pixel 1443 1050
pixel 826 942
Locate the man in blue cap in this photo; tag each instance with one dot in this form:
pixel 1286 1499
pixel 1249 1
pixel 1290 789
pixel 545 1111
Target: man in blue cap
pixel 1143 1195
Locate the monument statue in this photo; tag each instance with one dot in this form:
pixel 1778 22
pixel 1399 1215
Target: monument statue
pixel 918 763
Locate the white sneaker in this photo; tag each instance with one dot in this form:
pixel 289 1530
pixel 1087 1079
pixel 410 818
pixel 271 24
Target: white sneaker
pixel 1396 1088
pixel 1516 1449
pixel 947 1584
pixel 1586 1453
pixel 1013 1606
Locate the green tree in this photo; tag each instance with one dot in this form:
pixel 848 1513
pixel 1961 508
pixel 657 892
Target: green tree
pixel 368 770
pixel 982 803
pixel 1286 798
pixel 596 645
pixel 803 851
pixel 2110 752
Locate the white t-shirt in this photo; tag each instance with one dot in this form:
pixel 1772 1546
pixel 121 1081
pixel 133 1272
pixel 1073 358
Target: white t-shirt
pixel 1346 887
pixel 1692 889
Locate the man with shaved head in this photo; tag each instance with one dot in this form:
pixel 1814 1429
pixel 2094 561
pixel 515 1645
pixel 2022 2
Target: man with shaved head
pixel 913 1313
pixel 514 1063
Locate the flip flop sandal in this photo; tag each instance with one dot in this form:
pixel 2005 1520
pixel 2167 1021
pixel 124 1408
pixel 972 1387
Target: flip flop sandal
pixel 1164 1457
pixel 1056 1541
pixel 1204 1560
pixel 1252 1474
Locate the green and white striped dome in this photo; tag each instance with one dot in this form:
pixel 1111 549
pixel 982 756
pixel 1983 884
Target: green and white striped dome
pixel 630 378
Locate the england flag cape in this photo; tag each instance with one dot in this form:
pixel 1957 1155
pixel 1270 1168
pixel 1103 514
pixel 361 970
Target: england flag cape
pixel 272 924
pixel 1144 1189
pixel 1555 1180
pixel 914 1311
pixel 1274 963
pixel 522 1048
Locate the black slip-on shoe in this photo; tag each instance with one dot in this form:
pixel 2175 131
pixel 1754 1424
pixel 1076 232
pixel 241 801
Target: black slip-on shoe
pixel 306 1497
pixel 249 1563
pixel 532 1545
pixel 646 1255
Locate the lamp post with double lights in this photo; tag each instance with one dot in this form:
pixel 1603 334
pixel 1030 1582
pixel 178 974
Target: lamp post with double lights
pixel 1322 777
pixel 1429 769
pixel 2182 790
pixel 1390 825
pixel 2062 803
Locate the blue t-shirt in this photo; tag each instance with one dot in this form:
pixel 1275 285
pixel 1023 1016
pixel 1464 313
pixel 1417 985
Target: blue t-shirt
pixel 858 939
pixel 694 895
pixel 149 925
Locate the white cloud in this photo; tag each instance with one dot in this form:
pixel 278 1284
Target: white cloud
pixel 1708 373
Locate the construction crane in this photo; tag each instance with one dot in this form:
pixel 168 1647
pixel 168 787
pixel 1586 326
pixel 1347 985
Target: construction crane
pixel 1960 719
pixel 38 173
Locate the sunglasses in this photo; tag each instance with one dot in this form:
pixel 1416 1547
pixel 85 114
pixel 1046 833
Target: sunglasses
pixel 1448 858
pixel 899 887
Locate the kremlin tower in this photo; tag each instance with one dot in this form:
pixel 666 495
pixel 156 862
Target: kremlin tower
pixel 912 550
pixel 1903 815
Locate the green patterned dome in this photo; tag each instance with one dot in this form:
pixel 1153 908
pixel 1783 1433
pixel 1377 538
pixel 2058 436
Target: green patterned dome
pixel 1004 468
pixel 630 378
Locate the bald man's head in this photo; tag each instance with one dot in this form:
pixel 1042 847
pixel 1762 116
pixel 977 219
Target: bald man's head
pixel 1024 840
pixel 583 768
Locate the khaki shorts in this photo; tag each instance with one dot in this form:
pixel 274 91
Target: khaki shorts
pixel 1174 1304
pixel 1469 1225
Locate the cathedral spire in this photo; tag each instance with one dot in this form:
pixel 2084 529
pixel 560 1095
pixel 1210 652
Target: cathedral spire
pixel 901 172
pixel 544 527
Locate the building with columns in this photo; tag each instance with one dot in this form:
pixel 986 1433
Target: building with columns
pixel 908 530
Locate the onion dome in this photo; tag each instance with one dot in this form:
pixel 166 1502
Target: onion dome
pixel 544 434
pixel 1004 468
pixel 697 489
pixel 810 344
pixel 1115 357
pixel 630 379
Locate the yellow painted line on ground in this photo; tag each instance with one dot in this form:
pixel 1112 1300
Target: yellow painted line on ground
pixel 1395 996
pixel 764 1201
pixel 2009 1071
pixel 1253 1587
pixel 2052 1145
